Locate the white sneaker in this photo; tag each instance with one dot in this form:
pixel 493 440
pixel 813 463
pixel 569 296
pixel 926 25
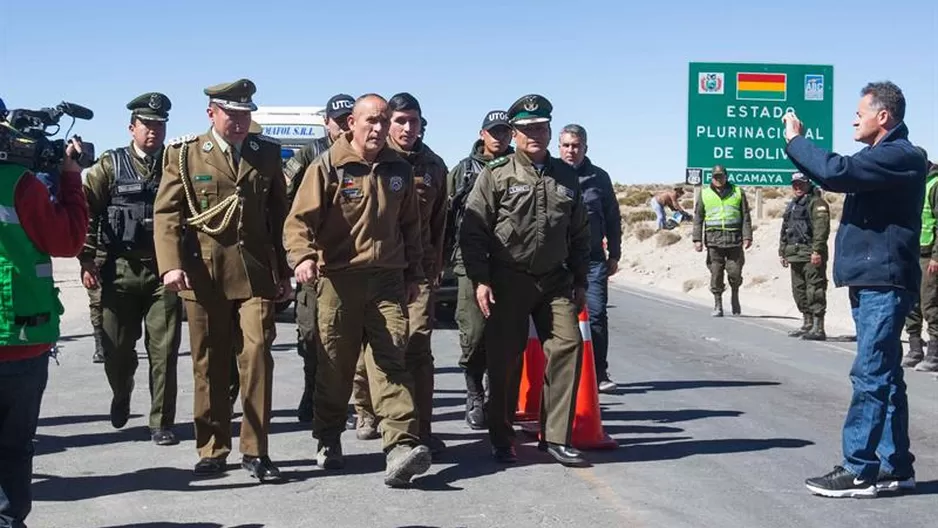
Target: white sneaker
pixel 607 386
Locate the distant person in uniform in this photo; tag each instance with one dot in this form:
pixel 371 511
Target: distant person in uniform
pixel 926 309
pixel 494 142
pixel 671 199
pixel 355 227
pixel 121 188
pixel 723 225
pixel 526 246
pixel 218 219
pixel 337 111
pixel 802 246
pixel 876 256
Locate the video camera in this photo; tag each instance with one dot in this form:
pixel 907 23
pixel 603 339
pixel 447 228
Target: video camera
pixel 24 137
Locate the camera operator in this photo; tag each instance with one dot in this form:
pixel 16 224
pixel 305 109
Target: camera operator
pixel 33 228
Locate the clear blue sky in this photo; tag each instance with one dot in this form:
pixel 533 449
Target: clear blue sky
pixel 618 68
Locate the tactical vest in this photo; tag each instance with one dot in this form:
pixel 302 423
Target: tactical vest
pixel 798 227
pixel 129 223
pixel 723 214
pixel 927 238
pixel 462 187
pixel 29 300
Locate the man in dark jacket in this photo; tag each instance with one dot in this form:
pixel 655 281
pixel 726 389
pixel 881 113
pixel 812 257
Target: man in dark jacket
pixel 605 225
pixel 337 111
pixel 876 256
pixel 926 310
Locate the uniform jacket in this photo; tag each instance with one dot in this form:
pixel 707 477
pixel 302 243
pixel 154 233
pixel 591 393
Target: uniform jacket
pixel 818 221
pixel 353 215
pixel 296 166
pixel 877 244
pixel 603 210
pixel 932 201
pixel 717 237
pixel 245 259
pixel 430 180
pixel 531 222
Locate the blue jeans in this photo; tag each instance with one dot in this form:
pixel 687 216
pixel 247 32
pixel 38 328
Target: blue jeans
pixel 21 386
pixel 876 430
pixel 597 296
pixel 659 213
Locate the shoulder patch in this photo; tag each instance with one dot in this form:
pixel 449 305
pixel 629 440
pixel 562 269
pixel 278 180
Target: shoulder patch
pixel 175 142
pixel 497 162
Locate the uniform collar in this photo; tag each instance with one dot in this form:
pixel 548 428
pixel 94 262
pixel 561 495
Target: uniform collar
pixel 222 144
pixel 343 153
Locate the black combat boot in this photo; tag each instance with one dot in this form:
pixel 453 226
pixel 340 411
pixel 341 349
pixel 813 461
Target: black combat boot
pixel 915 354
pixel 717 305
pixel 98 356
pixel 930 363
pixel 734 301
pixel 817 330
pixel 805 326
pixel 475 396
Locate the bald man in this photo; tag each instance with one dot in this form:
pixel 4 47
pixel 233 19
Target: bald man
pixel 355 220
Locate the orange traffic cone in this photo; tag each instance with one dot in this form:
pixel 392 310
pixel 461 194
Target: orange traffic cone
pixel 532 379
pixel 587 422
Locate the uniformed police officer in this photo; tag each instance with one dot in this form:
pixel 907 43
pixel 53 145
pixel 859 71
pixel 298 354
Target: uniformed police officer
pixel 336 112
pixel 802 246
pixel 218 221
pixel 494 141
pixel 120 189
pixel 526 244
pixel 722 224
pixel 926 309
pixel 429 173
pixel 356 220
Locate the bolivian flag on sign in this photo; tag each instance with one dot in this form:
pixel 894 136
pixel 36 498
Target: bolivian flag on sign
pixel 761 86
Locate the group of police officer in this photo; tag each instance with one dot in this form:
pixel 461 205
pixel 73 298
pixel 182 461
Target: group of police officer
pixel 215 223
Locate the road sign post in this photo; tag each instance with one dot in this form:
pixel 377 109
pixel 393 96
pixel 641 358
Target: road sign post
pixel 734 118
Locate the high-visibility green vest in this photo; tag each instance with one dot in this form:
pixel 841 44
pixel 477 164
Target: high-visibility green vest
pixel 29 300
pixel 724 214
pixel 927 237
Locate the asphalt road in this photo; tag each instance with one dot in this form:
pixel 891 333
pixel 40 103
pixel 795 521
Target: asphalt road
pixel 719 422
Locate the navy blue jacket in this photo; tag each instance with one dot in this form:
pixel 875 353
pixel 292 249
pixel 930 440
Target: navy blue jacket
pixel 877 242
pixel 603 209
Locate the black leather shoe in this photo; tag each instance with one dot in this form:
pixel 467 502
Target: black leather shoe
pixel 260 468
pixel 163 437
pixel 210 466
pixel 566 455
pixel 505 455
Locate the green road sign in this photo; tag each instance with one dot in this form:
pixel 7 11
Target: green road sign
pixel 734 118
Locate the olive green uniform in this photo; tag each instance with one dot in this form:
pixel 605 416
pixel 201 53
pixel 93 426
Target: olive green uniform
pixel 724 241
pixel 805 230
pixel 526 234
pixel 132 293
pixel 94 297
pixel 926 309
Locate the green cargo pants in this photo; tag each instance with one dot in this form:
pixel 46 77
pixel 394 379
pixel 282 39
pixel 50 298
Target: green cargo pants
pixel 809 287
pixel 471 325
pixel 728 259
pixel 927 307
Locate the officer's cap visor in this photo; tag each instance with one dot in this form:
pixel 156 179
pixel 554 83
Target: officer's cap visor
pixel 151 117
pixel 529 121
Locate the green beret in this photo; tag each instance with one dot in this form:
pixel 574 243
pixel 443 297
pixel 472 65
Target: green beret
pixel 151 106
pixel 234 95
pixel 530 109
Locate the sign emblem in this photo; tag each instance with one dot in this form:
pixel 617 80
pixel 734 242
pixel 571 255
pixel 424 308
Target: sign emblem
pixel 813 87
pixel 207 146
pixel 155 102
pixel 693 177
pixel 710 83
pixel 397 183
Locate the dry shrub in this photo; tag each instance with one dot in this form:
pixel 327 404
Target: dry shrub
pixel 771 193
pixel 667 238
pixel 691 284
pixel 643 232
pixel 755 227
pixel 758 279
pixel 619 187
pixel 774 212
pixel 641 216
pixel 688 204
pixel 635 199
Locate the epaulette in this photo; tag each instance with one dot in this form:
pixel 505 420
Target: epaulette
pixel 175 142
pixel 497 162
pixel 268 139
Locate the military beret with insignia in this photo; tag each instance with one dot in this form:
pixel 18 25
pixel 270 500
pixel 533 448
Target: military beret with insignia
pixel 233 95
pixel 530 109
pixel 151 106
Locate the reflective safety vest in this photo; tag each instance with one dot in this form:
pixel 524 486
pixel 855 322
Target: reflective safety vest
pixel 927 238
pixel 29 301
pixel 724 214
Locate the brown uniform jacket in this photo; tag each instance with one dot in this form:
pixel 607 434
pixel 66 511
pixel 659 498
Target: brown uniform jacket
pixel 349 214
pixel 532 222
pixel 245 259
pixel 430 177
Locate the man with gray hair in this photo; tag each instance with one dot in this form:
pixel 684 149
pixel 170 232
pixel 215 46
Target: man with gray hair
pixel 605 224
pixel 876 257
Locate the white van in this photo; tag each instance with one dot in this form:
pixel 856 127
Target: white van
pixel 292 126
